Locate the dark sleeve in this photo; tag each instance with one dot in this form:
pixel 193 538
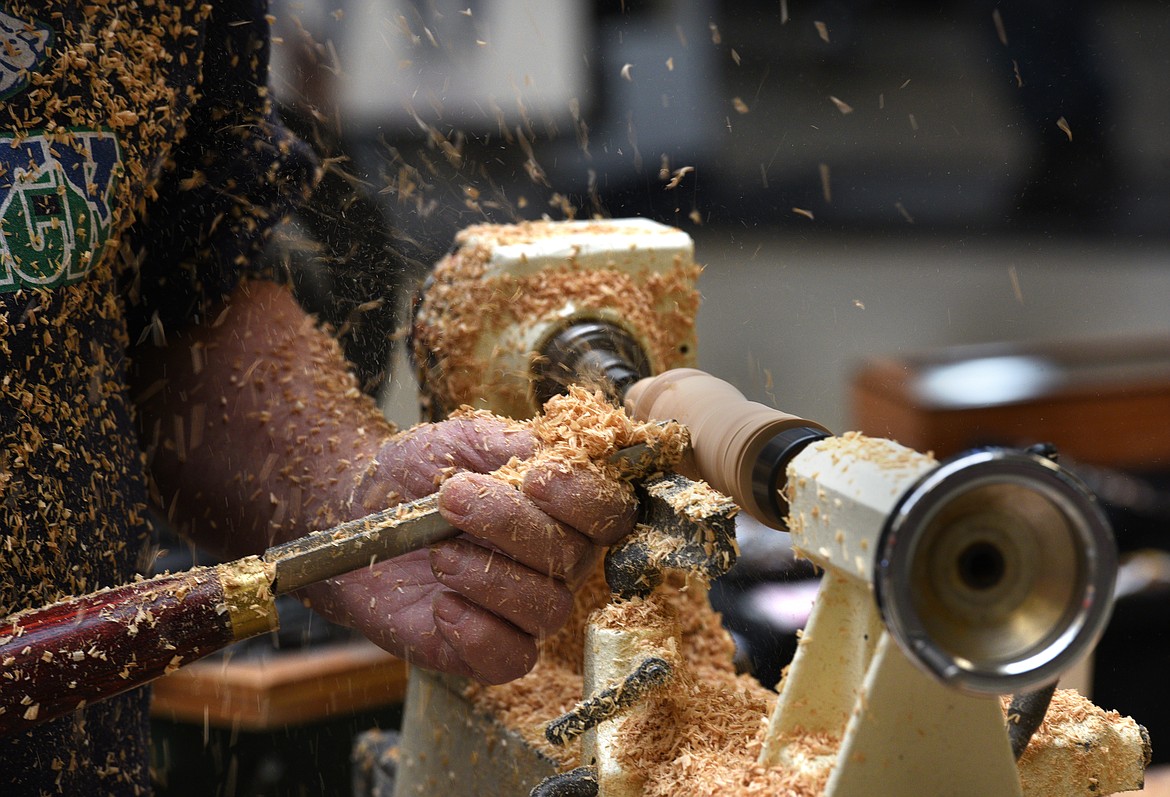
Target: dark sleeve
pixel 236 172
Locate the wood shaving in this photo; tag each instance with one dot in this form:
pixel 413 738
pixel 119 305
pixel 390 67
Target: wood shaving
pixel 841 105
pixel 1000 31
pixel 679 174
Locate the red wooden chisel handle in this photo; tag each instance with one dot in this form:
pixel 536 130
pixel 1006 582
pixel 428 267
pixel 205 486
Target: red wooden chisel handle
pixel 56 659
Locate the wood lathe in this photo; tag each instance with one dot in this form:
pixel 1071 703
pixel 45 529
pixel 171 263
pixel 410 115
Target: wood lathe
pixel 954 595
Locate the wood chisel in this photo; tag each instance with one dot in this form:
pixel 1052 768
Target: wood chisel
pixel 56 659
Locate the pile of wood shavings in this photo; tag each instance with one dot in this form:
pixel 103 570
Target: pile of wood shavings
pixel 582 429
pixel 708 690
pixel 713 736
pixel 704 735
pixel 710 747
pixel 586 425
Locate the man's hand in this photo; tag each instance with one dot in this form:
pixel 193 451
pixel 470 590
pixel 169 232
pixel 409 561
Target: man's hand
pixel 478 604
pixel 258 435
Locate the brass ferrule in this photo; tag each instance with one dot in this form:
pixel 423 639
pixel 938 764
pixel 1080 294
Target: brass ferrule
pixel 247 596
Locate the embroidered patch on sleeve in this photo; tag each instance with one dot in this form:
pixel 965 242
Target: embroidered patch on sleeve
pixel 24 45
pixel 55 212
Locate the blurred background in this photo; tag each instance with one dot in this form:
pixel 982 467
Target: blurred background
pixel 880 191
pixel 859 177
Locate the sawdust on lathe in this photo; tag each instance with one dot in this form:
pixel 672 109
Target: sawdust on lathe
pixel 702 736
pixel 466 301
pixel 1068 707
pixel 1073 723
pixel 707 742
pixel 885 454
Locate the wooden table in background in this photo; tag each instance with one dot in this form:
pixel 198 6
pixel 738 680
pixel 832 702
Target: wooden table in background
pixel 1101 402
pixel 287 688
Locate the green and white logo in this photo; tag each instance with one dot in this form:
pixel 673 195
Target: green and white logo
pixel 55 212
pixel 23 47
